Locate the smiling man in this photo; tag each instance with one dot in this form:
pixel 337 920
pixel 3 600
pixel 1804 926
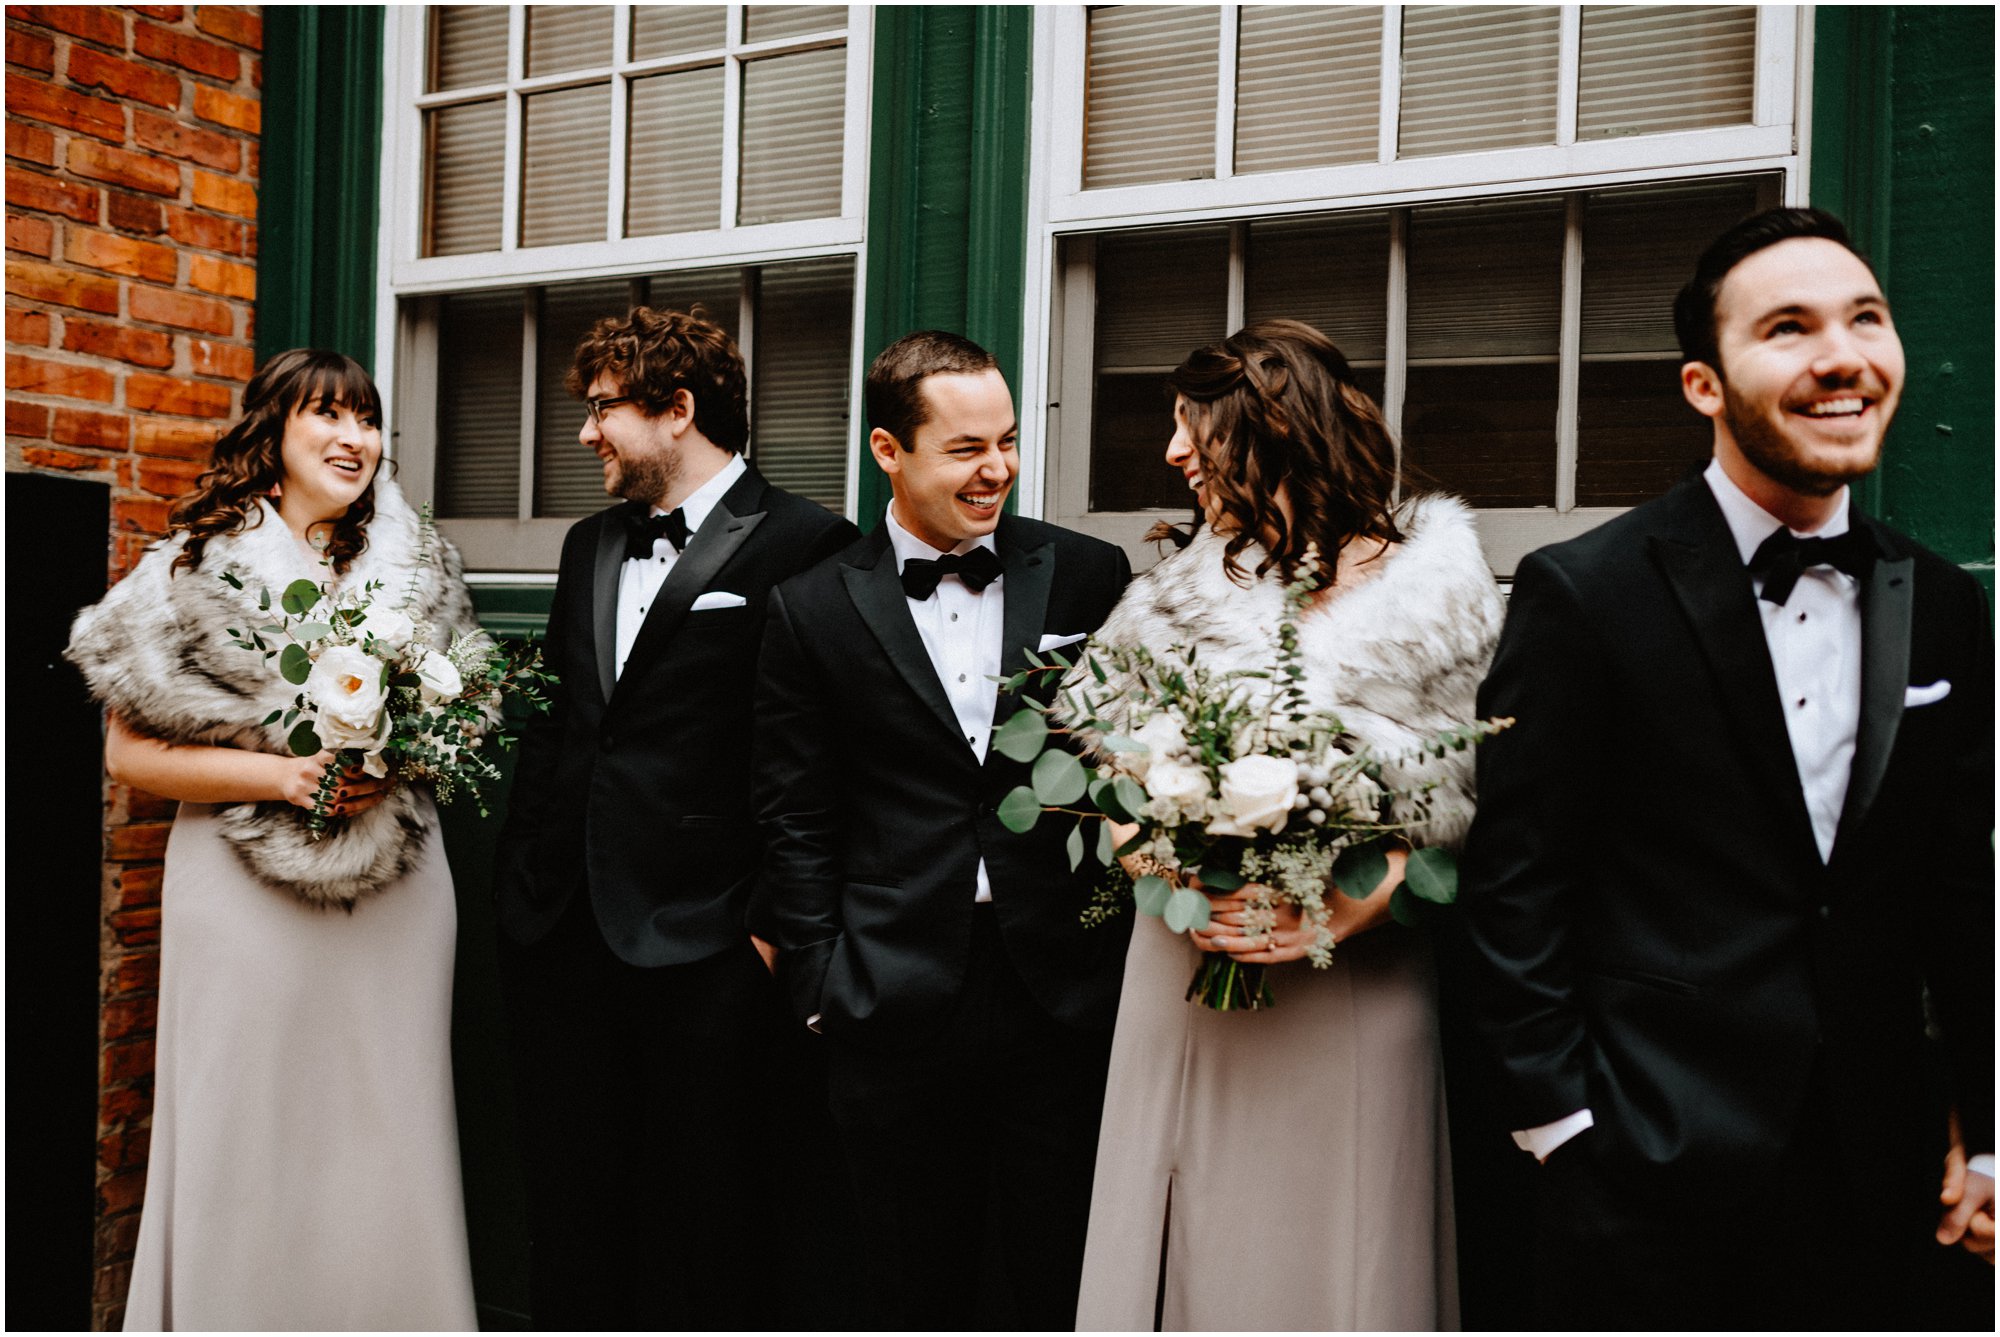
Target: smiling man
pixel 965 1008
pixel 1737 847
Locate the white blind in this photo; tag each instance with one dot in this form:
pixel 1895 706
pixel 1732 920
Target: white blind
pixel 718 292
pixel 1160 295
pixel 673 171
pixel 1485 279
pixel 569 480
pixel 1332 273
pixel 671 30
pixel 1478 77
pixel 1149 98
pixel 467 166
pixel 1308 86
pixel 568 37
pixel 1639 246
pixel 794 107
pixel 1676 67
pixel 479 406
pixel 468 46
pixel 763 23
pixel 800 377
pixel 565 165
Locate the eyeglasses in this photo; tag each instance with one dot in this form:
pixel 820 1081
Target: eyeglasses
pixel 596 408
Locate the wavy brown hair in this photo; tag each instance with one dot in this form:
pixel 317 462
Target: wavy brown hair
pixel 248 461
pixel 654 354
pixel 1275 405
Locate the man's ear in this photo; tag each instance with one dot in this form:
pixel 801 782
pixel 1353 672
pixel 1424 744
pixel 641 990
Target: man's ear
pixel 679 412
pixel 887 451
pixel 1701 384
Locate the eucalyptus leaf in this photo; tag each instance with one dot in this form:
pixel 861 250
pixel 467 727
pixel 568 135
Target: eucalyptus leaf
pixel 1432 874
pixel 299 596
pixel 304 742
pixel 1118 742
pixel 229 579
pixel 1186 909
pixel 1020 810
pixel 1150 894
pixel 1075 845
pixel 312 631
pixel 1132 846
pixel 1104 795
pixel 1403 908
pixel 295 665
pixel 1022 736
pixel 1218 878
pixel 1131 797
pixel 1106 854
pixel 272 718
pixel 1360 869
pixel 1059 778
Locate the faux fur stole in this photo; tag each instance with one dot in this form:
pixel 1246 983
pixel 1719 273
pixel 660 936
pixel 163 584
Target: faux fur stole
pixel 156 649
pixel 1398 658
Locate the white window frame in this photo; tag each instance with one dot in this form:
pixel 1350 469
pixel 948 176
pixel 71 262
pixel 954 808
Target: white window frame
pixel 1057 373
pixel 525 548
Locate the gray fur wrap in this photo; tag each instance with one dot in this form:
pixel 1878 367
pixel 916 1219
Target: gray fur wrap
pixel 156 650
pixel 1398 658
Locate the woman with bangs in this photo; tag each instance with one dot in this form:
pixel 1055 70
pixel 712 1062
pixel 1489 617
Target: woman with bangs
pixel 1288 1168
pixel 304 1163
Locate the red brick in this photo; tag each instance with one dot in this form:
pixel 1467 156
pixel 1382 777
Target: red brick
pixel 144 841
pixel 121 255
pixel 96 23
pixel 45 194
pixel 170 137
pixel 99 431
pixel 225 195
pixel 127 1104
pixel 139 972
pixel 27 419
pixel 224 278
pixel 170 478
pixel 164 13
pixel 121 168
pixel 48 457
pixel 162 306
pixel 31 51
pixel 37 282
pixel 177 440
pixel 36 236
pixel 127 1018
pixel 133 214
pixel 126 78
pixel 125 1148
pixel 170 394
pixel 38 376
pixel 118 1236
pixel 232 362
pixel 140 515
pixel 245 27
pixel 27 327
pixel 145 348
pixel 143 807
pixel 204 230
pixel 189 53
pixel 220 108
pixel 133 1059
pixel 115 1279
pixel 26 142
pixel 41 101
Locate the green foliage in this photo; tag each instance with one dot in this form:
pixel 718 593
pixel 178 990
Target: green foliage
pixel 299 597
pixel 295 664
pixel 1059 778
pixel 1432 874
pixel 1150 894
pixel 303 741
pixel 1360 869
pixel 1020 810
pixel 1022 736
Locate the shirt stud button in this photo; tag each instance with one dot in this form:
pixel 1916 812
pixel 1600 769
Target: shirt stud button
pixel 1802 703
pixel 1802 617
pixel 954 617
pixel 961 677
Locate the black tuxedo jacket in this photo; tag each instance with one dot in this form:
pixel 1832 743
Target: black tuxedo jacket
pixel 638 786
pixel 877 812
pixel 1661 941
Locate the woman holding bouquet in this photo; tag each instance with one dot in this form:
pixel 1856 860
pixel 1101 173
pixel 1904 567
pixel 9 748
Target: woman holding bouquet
pixel 304 1165
pixel 1287 1167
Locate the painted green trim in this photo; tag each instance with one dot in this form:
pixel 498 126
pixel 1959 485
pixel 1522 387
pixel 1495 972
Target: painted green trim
pixel 513 610
pixel 997 233
pixel 318 197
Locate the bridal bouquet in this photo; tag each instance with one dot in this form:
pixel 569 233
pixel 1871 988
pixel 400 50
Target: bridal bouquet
pixel 1233 780
pixel 376 694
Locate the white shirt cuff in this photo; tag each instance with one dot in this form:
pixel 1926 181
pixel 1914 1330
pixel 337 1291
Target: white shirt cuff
pixel 812 1022
pixel 1539 1142
pixel 1982 1165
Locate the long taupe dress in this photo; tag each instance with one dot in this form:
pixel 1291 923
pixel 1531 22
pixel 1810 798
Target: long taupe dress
pixel 304 1168
pixel 1288 1168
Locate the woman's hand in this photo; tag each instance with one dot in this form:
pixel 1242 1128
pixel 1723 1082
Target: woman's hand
pixel 354 793
pixel 1135 865
pixel 1288 936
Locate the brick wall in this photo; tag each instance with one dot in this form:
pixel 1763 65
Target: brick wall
pixel 132 137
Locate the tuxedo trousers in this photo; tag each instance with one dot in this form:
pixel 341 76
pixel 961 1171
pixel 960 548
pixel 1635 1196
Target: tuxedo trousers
pixel 665 1116
pixel 972 1154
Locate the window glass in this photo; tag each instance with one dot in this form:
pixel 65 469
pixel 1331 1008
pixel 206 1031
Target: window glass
pixel 1149 113
pixel 569 479
pixel 765 23
pixel 793 111
pixel 479 405
pixel 1331 272
pixel 565 170
pixel 1478 77
pixel 673 173
pixel 802 377
pixel 468 46
pixel 1308 86
pixel 562 38
pixel 468 147
pixel 673 30
pixel 1646 69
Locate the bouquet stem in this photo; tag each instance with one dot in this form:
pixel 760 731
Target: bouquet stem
pixel 1227 985
pixel 329 780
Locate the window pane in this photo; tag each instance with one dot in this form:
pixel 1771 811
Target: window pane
pixel 1160 295
pixel 468 46
pixel 763 23
pixel 674 160
pixel 1485 432
pixel 467 153
pixel 569 480
pixel 800 376
pixel 568 37
pixel 1308 86
pixel 479 406
pixel 718 292
pixel 1674 67
pixel 793 109
pixel 565 173
pixel 1478 77
pixel 672 30
pixel 1332 273
pixel 1149 113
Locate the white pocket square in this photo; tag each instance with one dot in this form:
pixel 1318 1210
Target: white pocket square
pixel 1924 696
pixel 1058 642
pixel 717 599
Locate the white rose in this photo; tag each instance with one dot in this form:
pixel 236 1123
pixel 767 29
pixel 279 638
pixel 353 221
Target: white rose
pixel 391 626
pixel 1162 738
pixel 346 685
pixel 1257 794
pixel 1177 790
pixel 441 681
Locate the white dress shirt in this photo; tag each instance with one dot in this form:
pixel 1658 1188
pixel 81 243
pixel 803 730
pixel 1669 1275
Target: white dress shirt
pixel 639 580
pixel 962 632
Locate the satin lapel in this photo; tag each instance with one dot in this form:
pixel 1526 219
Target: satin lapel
pixel 1030 574
pixel 604 599
pixel 707 552
pixel 1706 571
pixel 878 597
pixel 1887 598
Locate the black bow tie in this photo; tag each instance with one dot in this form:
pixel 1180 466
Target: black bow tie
pixel 642 529
pixel 1781 558
pixel 978 569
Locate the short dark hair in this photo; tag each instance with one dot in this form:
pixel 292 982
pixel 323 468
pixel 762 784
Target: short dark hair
pixel 1694 307
pixel 652 354
pixel 895 379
